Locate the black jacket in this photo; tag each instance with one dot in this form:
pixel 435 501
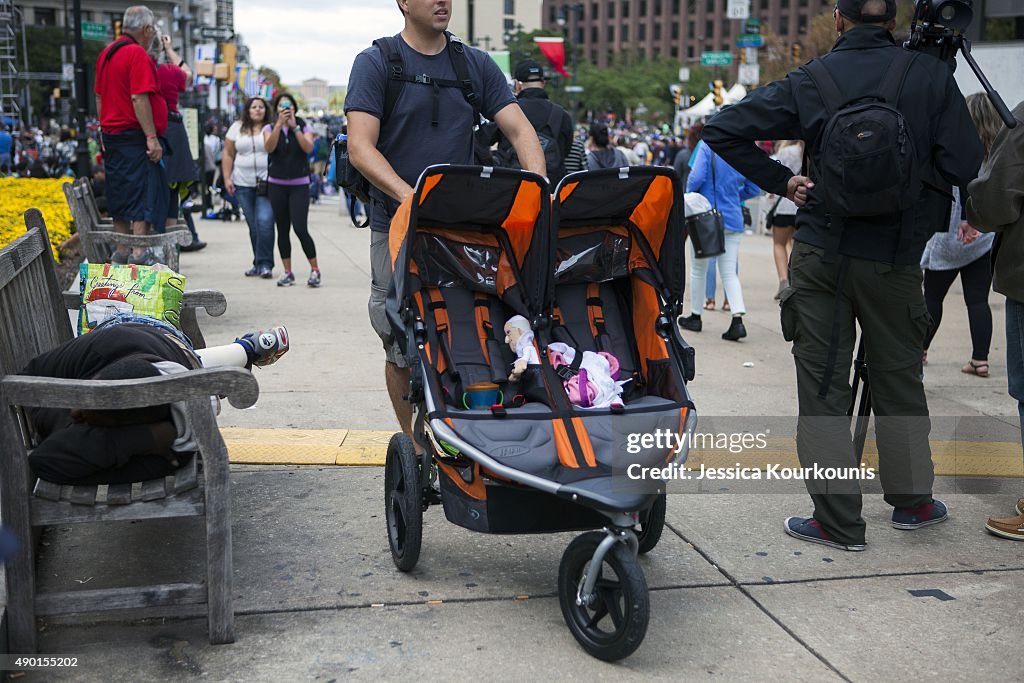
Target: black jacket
pixel 790 109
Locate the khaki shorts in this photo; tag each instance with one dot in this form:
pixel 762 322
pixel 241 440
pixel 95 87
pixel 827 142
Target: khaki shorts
pixel 380 282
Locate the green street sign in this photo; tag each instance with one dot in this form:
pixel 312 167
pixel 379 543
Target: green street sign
pixel 715 58
pixel 92 30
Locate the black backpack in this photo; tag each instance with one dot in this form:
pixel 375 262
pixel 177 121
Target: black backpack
pixel 869 166
pixel 346 175
pixel 506 155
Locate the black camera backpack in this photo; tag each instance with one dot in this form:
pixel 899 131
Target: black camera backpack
pixel 868 164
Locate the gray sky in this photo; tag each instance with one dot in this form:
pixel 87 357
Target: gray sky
pixel 306 38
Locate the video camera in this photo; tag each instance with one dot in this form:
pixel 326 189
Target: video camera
pixel 937 28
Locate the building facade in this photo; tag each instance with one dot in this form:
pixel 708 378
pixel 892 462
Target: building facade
pixel 489 24
pixel 678 29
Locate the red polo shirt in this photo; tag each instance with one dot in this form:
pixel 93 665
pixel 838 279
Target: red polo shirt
pixel 129 72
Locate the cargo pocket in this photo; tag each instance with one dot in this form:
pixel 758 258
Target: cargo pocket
pixel 921 321
pixel 787 313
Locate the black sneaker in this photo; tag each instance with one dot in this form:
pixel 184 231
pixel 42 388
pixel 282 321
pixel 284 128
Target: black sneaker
pixel 809 529
pixel 923 515
pixel 287 280
pixel 692 323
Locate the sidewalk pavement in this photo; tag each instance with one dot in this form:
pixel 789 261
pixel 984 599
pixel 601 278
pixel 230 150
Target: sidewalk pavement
pixel 732 597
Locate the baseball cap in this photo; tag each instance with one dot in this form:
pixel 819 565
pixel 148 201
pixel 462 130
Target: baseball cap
pixel 853 10
pixel 528 70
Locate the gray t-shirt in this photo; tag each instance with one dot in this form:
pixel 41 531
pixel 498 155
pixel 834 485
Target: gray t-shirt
pixel 408 140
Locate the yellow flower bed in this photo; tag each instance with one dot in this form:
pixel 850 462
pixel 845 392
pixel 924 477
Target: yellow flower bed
pixel 17 195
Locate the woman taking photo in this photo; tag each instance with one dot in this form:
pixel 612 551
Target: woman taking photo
pixel 244 167
pixel 288 143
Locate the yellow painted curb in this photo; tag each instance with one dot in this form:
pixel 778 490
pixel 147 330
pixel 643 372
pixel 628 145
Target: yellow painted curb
pixel 369 447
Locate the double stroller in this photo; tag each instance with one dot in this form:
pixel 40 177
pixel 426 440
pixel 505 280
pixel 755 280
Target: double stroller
pixel 598 267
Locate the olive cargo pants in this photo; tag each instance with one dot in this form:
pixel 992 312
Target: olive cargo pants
pixel 888 303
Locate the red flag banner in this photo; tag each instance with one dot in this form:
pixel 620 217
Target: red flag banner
pixel 553 50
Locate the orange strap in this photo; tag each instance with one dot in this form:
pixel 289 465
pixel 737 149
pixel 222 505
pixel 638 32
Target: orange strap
pixel 482 310
pixel 441 326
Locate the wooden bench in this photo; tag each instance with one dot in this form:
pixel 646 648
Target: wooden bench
pixel 99 239
pixel 36 320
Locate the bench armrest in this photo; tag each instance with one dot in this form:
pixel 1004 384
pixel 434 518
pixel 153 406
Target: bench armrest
pixel 209 299
pixel 238 385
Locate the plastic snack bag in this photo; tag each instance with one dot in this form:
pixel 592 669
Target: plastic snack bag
pixel 108 289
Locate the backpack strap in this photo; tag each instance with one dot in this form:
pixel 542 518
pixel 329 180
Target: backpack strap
pixel 896 75
pixel 825 85
pixel 457 53
pixel 394 67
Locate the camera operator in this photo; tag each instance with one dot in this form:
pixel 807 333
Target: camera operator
pixel 859 265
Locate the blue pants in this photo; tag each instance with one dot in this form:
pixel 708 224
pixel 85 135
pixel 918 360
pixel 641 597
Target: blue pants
pixel 260 217
pixel 1015 354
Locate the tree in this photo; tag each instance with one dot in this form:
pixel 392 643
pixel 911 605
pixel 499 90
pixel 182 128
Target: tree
pixel 821 30
pixel 44 56
pixel 268 74
pixel 336 102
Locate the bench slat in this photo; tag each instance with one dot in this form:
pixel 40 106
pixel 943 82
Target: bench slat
pixel 154 489
pixel 190 504
pixel 69 602
pixel 83 495
pixel 47 490
pixel 119 494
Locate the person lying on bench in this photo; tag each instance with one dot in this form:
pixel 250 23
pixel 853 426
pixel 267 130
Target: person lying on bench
pixel 90 447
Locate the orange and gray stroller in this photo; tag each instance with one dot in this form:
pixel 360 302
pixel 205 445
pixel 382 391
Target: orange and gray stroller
pixel 600 269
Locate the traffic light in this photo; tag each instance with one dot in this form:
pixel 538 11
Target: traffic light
pixel 117 29
pixel 718 93
pixel 796 49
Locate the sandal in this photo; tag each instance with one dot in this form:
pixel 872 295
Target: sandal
pixel 979 368
pixel 726 307
pixel 709 305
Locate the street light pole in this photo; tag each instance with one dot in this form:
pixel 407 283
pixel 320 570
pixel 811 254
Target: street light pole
pixel 82 164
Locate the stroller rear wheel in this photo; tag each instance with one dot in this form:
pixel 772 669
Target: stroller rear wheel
pixel 403 502
pixel 652 523
pixel 611 622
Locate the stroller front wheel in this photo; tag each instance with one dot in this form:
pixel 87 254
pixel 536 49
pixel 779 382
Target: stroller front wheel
pixel 403 502
pixel 611 622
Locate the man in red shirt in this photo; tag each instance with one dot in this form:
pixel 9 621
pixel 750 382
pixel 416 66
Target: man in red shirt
pixel 132 116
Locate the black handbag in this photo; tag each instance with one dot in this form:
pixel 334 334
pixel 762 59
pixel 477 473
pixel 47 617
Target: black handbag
pixel 707 230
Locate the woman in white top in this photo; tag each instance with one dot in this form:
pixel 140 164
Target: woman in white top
pixel 789 153
pixel 244 167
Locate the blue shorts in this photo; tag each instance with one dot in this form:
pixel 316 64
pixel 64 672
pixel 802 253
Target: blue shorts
pixel 136 188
